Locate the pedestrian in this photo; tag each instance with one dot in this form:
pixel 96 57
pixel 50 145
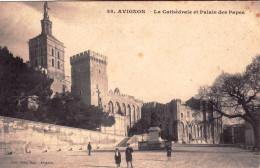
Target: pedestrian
pixel 128 154
pixel 117 157
pixel 169 152
pixel 89 148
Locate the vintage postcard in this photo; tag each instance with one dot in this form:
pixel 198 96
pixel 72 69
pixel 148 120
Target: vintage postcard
pixel 129 84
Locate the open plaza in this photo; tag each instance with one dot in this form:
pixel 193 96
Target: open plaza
pixel 201 156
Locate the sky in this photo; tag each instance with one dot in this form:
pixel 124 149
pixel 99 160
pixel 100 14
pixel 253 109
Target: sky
pixel 154 57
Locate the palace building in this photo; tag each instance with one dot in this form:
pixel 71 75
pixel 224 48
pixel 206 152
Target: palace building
pixel 192 122
pixel 89 81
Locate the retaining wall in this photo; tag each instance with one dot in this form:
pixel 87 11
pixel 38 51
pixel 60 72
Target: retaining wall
pixel 18 135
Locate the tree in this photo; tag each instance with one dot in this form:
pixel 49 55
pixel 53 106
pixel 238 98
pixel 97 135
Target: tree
pixel 18 82
pixel 139 127
pixel 237 96
pixel 66 110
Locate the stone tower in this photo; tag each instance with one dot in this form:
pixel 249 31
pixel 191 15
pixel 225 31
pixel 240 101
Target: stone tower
pixel 47 53
pixel 89 77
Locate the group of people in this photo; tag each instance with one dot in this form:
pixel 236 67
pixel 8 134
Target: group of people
pixel 128 154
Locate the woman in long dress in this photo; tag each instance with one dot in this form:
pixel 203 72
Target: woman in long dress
pixel 117 157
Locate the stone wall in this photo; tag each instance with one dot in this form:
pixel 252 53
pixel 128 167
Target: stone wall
pixel 17 135
pixel 119 128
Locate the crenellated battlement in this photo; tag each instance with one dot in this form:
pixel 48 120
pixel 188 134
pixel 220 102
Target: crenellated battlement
pixel 176 100
pixel 89 55
pixel 117 93
pixel 149 104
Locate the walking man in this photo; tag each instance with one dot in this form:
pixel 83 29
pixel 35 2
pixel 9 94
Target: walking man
pixel 169 152
pixel 89 149
pixel 128 154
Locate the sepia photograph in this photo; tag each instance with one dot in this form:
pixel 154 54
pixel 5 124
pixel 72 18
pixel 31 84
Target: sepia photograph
pixel 143 84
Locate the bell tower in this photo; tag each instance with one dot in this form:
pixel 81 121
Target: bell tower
pixel 47 52
pixel 46 23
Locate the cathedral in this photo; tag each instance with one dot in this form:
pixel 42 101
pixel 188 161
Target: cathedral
pixel 89 79
pixel 47 53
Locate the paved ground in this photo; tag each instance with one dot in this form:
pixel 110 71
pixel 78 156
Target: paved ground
pixel 188 156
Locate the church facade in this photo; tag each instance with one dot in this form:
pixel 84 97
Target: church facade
pixel 89 81
pixel 47 53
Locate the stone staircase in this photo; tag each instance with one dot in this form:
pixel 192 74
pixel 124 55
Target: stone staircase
pixel 123 142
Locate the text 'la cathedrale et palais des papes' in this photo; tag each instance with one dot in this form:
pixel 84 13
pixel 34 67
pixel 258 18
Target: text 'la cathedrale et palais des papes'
pixel 176 11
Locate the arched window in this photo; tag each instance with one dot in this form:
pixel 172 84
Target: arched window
pixel 190 132
pixel 52 62
pixel 181 131
pixel 129 114
pixel 111 108
pixel 133 115
pixel 58 64
pixel 117 108
pixel 124 109
pixel 58 55
pixel 138 113
pixel 52 52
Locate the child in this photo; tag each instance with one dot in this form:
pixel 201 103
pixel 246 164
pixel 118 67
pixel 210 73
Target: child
pixel 117 157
